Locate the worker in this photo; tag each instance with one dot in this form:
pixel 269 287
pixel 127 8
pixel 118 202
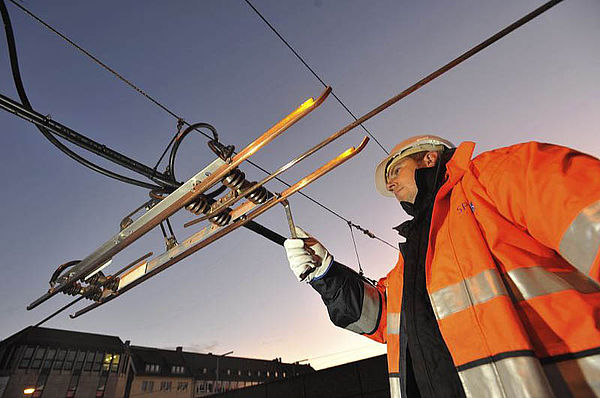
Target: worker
pixel 496 290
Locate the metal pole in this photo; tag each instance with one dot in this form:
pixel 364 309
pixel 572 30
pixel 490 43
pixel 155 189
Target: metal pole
pixel 217 370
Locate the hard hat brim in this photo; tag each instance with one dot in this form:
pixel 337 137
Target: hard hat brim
pixel 406 148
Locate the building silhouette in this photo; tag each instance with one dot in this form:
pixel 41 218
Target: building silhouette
pixel 58 363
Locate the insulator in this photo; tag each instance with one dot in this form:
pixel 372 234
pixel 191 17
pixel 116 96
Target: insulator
pixel 96 278
pixel 235 179
pixel 112 284
pixel 259 196
pixel 72 290
pixel 199 205
pixel 222 218
pixel 93 293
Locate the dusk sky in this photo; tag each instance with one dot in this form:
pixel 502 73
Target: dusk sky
pixel 217 62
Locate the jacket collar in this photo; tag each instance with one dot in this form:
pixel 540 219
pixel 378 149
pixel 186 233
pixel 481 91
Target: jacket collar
pixel 458 165
pixel 428 180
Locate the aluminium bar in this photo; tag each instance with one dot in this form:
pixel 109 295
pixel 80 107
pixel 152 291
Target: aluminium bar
pixel 198 184
pixel 211 233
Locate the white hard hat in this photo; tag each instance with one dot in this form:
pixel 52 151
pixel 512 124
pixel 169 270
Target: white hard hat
pixel 419 143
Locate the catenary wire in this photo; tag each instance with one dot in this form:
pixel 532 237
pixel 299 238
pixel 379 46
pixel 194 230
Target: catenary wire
pixel 47 134
pixel 98 61
pixel 427 79
pixel 314 73
pixel 179 119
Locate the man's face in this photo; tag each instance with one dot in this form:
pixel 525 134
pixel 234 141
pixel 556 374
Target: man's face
pixel 401 180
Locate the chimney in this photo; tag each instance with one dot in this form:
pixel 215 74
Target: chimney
pixel 179 348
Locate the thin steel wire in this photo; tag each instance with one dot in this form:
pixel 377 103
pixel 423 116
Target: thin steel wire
pixel 163 107
pixel 360 270
pixel 314 74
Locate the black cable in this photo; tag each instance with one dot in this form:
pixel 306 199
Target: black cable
pixel 179 126
pixel 12 50
pixel 180 136
pixel 314 73
pixel 109 69
pixel 179 119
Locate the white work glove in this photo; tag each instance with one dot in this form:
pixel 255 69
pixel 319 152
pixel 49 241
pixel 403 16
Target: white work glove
pixel 307 253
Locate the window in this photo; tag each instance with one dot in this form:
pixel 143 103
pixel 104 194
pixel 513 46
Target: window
pixel 26 357
pixel 41 382
pixel 49 358
pixel 37 357
pixel 152 368
pixel 147 386
pixel 69 359
pixel 204 371
pixel 239 372
pixel 79 360
pixel 165 386
pixel 228 372
pixel 115 363
pixel 106 362
pixel 9 357
pixel 200 387
pixel 276 374
pixel 250 373
pixel 178 369
pixel 89 361
pixel 182 386
pixel 97 362
pixel 101 384
pixel 284 375
pixel 258 373
pixel 73 384
pixel 268 374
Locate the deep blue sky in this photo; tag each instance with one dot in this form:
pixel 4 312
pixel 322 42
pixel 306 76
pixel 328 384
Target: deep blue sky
pixel 216 62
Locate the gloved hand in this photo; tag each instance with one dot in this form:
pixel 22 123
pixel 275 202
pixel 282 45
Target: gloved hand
pixel 307 252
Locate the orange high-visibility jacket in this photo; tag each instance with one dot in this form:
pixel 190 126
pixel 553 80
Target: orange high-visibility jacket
pixel 512 273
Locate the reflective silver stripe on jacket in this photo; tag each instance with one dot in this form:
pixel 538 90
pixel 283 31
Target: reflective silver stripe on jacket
pixel 371 306
pixel 393 323
pixel 518 377
pixel 395 389
pixel 460 296
pixel 580 242
pixel 526 283
pixel 575 377
pixel 537 281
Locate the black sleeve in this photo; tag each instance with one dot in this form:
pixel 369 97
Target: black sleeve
pixel 343 292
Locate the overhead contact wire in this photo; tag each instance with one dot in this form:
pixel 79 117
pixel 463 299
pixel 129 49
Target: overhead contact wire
pixel 105 66
pixel 179 119
pixel 98 61
pixel 314 73
pixel 338 215
pixel 47 134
